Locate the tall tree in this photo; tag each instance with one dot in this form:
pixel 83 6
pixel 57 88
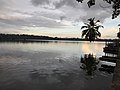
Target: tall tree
pixel 91 30
pixel 114 3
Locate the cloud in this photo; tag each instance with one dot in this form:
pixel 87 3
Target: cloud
pixel 39 2
pixel 56 3
pixel 5 5
pixel 68 10
pixel 30 21
pixel 15 17
pixel 62 17
pixel 61 3
pixel 83 11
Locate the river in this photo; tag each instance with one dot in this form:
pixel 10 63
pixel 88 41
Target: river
pixel 50 66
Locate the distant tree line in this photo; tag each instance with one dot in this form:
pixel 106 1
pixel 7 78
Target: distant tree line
pixel 27 38
pixel 21 37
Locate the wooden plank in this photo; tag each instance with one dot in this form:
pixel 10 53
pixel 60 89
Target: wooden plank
pixel 108 59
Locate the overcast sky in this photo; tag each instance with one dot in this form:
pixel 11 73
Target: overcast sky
pixel 61 18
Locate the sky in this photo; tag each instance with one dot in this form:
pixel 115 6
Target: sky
pixel 56 18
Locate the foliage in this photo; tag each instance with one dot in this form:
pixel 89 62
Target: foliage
pixel 91 30
pixel 114 3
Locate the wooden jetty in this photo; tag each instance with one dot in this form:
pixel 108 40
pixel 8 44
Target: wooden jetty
pixel 111 51
pixel 109 59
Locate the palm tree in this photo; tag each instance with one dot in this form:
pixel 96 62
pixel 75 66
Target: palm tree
pixel 91 30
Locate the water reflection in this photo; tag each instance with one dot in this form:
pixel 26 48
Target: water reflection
pixel 48 66
pixel 89 64
pixel 93 48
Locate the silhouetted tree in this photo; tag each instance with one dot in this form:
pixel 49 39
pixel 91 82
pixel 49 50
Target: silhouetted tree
pixel 91 30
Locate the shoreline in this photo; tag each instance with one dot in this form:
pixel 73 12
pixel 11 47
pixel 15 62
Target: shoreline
pixel 58 40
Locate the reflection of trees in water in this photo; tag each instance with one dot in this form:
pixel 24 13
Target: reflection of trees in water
pixel 89 64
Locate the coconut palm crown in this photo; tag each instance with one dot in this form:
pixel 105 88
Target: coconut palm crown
pixel 90 31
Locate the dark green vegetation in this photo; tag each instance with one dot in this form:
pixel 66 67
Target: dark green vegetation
pixel 14 37
pixel 25 37
pixel 32 38
pixel 115 4
pixel 91 30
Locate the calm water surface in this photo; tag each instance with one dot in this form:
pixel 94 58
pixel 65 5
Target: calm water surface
pixel 50 66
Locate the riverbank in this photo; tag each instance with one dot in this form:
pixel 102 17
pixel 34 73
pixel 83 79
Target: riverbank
pixel 35 38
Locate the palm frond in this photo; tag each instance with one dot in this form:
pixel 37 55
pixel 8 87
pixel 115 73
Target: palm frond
pixel 97 21
pixel 98 33
pixel 84 27
pixel 87 35
pixel 93 18
pixel 84 32
pixel 87 24
pixel 98 26
pixel 89 19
